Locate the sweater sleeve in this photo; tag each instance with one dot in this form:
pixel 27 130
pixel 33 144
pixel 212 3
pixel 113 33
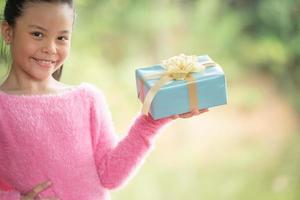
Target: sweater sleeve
pixel 117 160
pixel 7 192
pixel 9 195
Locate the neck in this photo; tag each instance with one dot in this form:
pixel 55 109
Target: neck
pixel 17 81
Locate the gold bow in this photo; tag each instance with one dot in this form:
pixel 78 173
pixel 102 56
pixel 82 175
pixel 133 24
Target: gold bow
pixel 177 68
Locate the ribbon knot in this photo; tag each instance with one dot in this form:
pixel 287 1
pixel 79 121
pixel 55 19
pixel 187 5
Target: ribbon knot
pixel 179 67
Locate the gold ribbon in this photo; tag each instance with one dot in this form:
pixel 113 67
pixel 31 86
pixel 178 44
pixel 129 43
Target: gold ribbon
pixel 177 68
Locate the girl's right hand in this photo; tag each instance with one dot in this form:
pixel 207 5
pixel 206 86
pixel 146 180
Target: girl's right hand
pixel 33 194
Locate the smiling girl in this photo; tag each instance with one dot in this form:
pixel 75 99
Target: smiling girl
pixel 57 141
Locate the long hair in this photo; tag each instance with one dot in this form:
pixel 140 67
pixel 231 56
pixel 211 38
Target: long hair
pixel 57 74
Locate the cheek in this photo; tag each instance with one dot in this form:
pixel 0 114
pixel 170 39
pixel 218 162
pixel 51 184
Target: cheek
pixel 22 53
pixel 30 49
pixel 24 47
pixel 64 51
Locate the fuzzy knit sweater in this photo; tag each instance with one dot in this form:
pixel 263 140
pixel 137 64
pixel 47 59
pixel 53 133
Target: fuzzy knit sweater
pixel 68 139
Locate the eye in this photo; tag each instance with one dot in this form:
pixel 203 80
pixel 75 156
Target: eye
pixel 37 34
pixel 63 38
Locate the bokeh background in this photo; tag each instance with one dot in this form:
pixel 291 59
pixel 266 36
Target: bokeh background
pixel 248 149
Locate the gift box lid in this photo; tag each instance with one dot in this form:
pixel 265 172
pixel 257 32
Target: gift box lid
pixel 146 73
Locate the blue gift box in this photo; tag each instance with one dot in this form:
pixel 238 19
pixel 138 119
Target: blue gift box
pixel 173 97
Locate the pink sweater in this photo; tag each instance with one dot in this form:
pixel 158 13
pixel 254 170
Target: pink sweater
pixel 69 139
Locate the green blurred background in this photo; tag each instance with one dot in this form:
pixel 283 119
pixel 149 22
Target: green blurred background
pixel 248 149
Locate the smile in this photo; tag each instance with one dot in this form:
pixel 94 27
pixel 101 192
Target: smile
pixel 43 62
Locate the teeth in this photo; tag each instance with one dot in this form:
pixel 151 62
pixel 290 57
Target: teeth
pixel 46 62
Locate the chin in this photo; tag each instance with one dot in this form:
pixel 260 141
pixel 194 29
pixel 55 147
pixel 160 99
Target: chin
pixel 42 77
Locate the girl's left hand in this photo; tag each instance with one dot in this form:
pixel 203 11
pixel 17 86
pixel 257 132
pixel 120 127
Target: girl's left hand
pixel 192 113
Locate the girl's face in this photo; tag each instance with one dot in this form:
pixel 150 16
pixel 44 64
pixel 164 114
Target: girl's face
pixel 40 39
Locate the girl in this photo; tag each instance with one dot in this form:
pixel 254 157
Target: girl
pixel 53 134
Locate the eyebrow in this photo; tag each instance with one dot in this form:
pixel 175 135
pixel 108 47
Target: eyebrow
pixel 43 29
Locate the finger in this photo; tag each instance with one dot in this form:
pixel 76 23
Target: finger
pixel 174 116
pixel 186 115
pixel 193 113
pixel 198 112
pixel 203 111
pixel 38 189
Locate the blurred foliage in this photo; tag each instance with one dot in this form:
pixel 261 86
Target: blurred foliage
pixel 251 172
pixel 270 39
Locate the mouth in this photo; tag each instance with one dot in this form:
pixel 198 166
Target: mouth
pixel 44 62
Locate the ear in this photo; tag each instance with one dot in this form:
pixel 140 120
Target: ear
pixel 7 32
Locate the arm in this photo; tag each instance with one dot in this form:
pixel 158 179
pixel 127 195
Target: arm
pixel 117 165
pixel 115 160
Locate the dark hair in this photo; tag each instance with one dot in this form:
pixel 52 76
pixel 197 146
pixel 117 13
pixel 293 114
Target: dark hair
pixel 14 9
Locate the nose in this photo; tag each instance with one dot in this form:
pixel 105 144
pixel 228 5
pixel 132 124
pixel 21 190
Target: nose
pixel 49 47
